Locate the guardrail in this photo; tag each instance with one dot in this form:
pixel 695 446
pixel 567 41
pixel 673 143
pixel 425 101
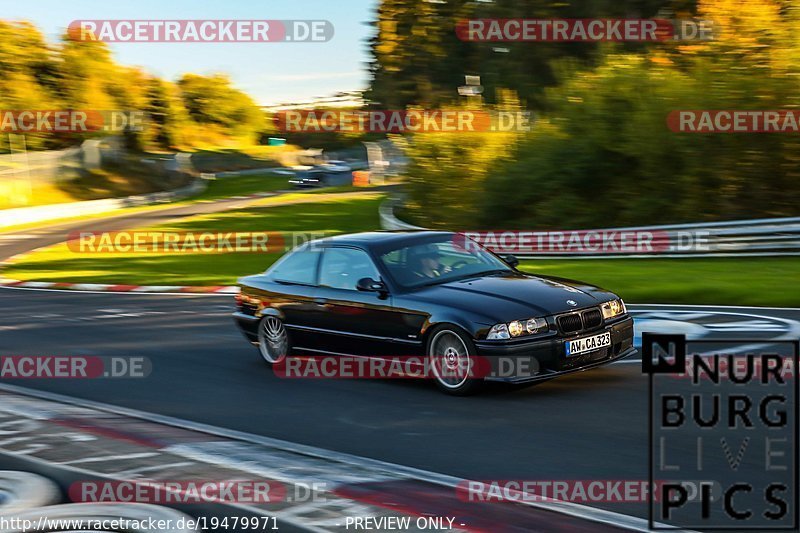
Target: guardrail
pixel 738 238
pixel 389 221
pixel 42 213
pixel 181 163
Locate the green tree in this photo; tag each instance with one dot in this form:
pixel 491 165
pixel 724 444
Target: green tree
pixel 212 100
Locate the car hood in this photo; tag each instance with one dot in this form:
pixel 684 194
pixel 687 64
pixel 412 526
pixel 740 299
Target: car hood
pixel 503 298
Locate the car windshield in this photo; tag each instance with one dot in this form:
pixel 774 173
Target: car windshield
pixel 432 262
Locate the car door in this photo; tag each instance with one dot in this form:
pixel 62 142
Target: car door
pixel 290 287
pixel 354 322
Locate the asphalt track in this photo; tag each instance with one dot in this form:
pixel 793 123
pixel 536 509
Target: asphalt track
pixel 590 425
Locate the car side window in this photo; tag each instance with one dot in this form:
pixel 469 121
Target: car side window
pixel 343 267
pixel 297 267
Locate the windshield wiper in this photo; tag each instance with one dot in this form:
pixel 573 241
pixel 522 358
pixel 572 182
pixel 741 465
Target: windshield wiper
pixel 435 281
pixel 287 282
pixel 476 275
pixel 493 272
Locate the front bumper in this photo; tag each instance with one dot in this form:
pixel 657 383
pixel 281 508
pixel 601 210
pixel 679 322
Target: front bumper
pixel 530 360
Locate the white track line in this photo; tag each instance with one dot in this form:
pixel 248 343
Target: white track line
pixel 90 474
pixel 71 291
pixel 584 512
pixel 632 306
pixel 712 306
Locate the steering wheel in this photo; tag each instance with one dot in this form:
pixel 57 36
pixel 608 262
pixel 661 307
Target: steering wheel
pixel 458 264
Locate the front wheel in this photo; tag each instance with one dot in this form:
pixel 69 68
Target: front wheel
pixel 273 340
pixel 451 354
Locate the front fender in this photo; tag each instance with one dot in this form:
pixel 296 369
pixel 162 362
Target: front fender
pixel 472 325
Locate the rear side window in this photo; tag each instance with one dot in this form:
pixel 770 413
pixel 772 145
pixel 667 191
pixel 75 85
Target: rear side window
pixel 343 267
pixel 297 267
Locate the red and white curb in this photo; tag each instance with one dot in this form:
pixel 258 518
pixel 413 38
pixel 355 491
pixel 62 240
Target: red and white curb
pixel 104 287
pixel 97 443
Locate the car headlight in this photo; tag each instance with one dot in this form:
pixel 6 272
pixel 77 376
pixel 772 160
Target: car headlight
pixel 536 325
pixel 499 331
pixel 612 309
pixel 517 328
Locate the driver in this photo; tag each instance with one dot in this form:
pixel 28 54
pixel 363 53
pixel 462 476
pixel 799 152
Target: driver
pixel 428 264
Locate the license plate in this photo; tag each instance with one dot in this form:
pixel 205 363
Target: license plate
pixel 588 344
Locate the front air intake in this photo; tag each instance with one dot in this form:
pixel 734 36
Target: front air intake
pixel 570 323
pixel 592 318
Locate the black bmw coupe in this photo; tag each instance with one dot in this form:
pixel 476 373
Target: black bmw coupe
pixel 434 295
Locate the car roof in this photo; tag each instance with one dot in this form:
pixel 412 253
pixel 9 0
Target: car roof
pixel 380 239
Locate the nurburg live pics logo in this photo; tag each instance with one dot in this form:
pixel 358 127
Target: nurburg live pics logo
pixel 722 443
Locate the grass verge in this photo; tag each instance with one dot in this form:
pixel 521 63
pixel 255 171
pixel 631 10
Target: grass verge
pixel 242 186
pixel 328 213
pixel 724 281
pixel 758 281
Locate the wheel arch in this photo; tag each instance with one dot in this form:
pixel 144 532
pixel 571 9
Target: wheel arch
pixel 464 323
pixel 272 311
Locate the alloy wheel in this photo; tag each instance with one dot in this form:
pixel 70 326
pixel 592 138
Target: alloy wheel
pixel 273 341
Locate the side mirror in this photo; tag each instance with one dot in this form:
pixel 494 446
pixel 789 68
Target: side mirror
pixel 511 260
pixel 370 285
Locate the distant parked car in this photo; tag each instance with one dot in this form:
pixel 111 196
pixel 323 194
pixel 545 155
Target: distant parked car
pixel 329 174
pixel 309 178
pixel 336 166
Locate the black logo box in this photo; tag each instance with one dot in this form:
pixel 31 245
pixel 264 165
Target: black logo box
pixel 672 360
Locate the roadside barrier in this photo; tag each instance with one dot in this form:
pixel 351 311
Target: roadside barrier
pixel 737 238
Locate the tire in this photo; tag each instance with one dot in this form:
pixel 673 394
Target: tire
pixel 20 491
pixel 273 340
pixel 449 347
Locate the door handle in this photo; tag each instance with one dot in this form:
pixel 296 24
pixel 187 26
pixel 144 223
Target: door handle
pixel 320 301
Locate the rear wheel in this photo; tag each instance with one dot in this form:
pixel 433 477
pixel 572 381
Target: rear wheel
pixel 451 354
pixel 273 340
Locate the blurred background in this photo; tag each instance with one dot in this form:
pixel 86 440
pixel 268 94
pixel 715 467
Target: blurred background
pixel 211 157
pixel 600 152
